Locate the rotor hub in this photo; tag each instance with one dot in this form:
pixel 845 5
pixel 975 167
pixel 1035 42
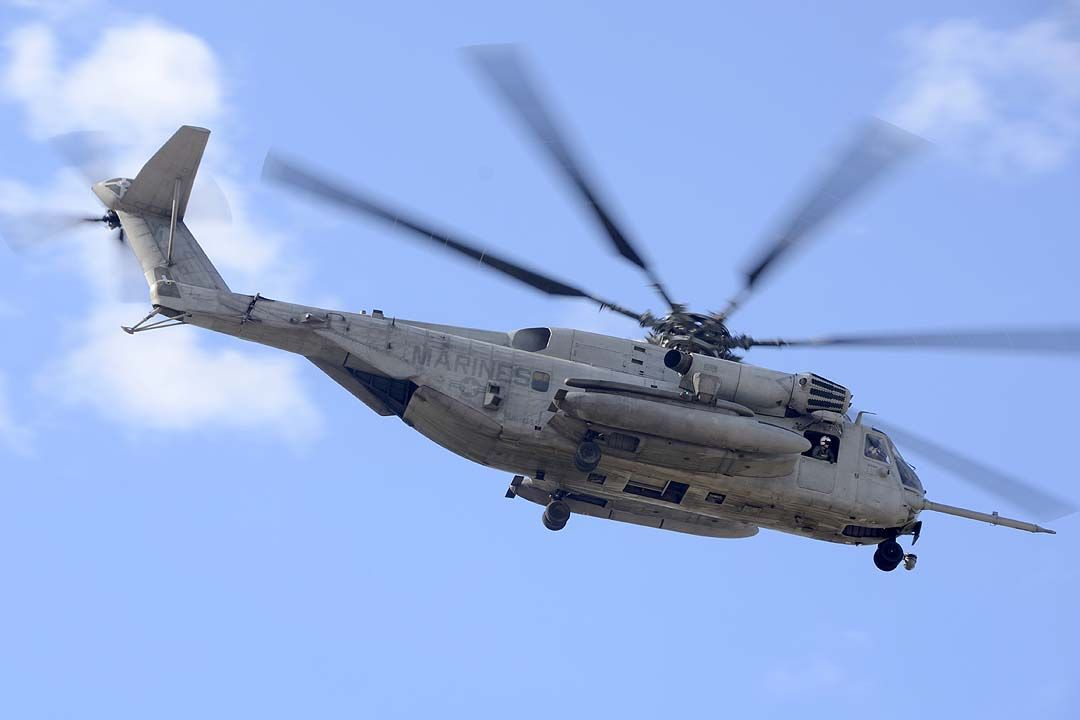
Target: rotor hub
pixel 692 332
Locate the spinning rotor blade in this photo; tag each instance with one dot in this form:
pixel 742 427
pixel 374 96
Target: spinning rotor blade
pixel 26 230
pixel 1040 503
pixel 1064 340
pixel 95 157
pixel 504 68
pixel 879 147
pixel 289 174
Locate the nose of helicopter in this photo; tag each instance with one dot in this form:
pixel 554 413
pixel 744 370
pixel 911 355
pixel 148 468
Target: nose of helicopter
pixel 908 477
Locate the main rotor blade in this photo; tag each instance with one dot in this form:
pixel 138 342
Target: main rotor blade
pixel 1041 504
pixel 1064 340
pixel 504 68
pixel 877 148
pixel 289 174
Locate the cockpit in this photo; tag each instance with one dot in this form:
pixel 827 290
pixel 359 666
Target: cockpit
pixel 879 448
pixel 907 473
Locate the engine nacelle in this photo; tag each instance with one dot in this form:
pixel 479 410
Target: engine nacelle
pixel 758 388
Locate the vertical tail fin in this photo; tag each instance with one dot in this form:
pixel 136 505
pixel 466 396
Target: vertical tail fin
pixel 151 209
pixel 176 162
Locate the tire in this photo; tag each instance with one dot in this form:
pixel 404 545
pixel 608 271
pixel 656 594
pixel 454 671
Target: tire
pixel 587 456
pixel 883 565
pixel 888 555
pixel 556 515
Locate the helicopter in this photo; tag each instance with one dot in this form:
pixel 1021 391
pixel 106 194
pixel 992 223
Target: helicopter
pixel 675 431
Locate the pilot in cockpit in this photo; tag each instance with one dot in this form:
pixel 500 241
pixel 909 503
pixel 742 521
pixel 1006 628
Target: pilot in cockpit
pixel 875 449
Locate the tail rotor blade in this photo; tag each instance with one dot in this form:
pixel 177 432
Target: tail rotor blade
pixel 208 203
pixel 93 155
pixel 24 231
pixel 126 277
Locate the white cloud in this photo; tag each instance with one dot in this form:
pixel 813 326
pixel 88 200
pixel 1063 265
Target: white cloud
pixel 140 79
pixel 167 380
pixel 14 435
pixel 1007 98
pixel 139 82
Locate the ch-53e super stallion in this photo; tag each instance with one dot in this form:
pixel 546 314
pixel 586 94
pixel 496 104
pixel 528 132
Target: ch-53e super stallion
pixel 673 432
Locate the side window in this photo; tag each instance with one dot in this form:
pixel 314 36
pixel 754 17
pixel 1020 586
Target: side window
pixel 540 381
pixel 875 449
pixel 822 446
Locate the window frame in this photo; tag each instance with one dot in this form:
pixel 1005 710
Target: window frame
pixel 814 436
pixel 882 443
pixel 544 382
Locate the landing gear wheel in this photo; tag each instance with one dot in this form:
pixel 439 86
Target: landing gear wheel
pixel 587 456
pixel 556 514
pixel 888 555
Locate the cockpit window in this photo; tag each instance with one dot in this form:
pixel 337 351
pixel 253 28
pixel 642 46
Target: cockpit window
pixel 907 473
pixel 875 449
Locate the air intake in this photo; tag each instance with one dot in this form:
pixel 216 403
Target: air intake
pixel 813 392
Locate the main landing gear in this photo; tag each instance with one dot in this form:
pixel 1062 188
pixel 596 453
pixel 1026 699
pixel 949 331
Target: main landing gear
pixel 556 514
pixel 889 555
pixel 587 456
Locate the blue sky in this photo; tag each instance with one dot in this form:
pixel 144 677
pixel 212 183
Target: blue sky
pixel 195 526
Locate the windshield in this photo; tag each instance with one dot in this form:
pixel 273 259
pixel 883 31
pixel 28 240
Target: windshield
pixel 907 473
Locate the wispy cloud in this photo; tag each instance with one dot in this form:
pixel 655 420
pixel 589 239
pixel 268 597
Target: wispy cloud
pixel 139 82
pixel 1007 98
pixel 812 676
pixel 138 79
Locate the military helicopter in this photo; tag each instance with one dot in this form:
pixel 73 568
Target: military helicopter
pixel 674 432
